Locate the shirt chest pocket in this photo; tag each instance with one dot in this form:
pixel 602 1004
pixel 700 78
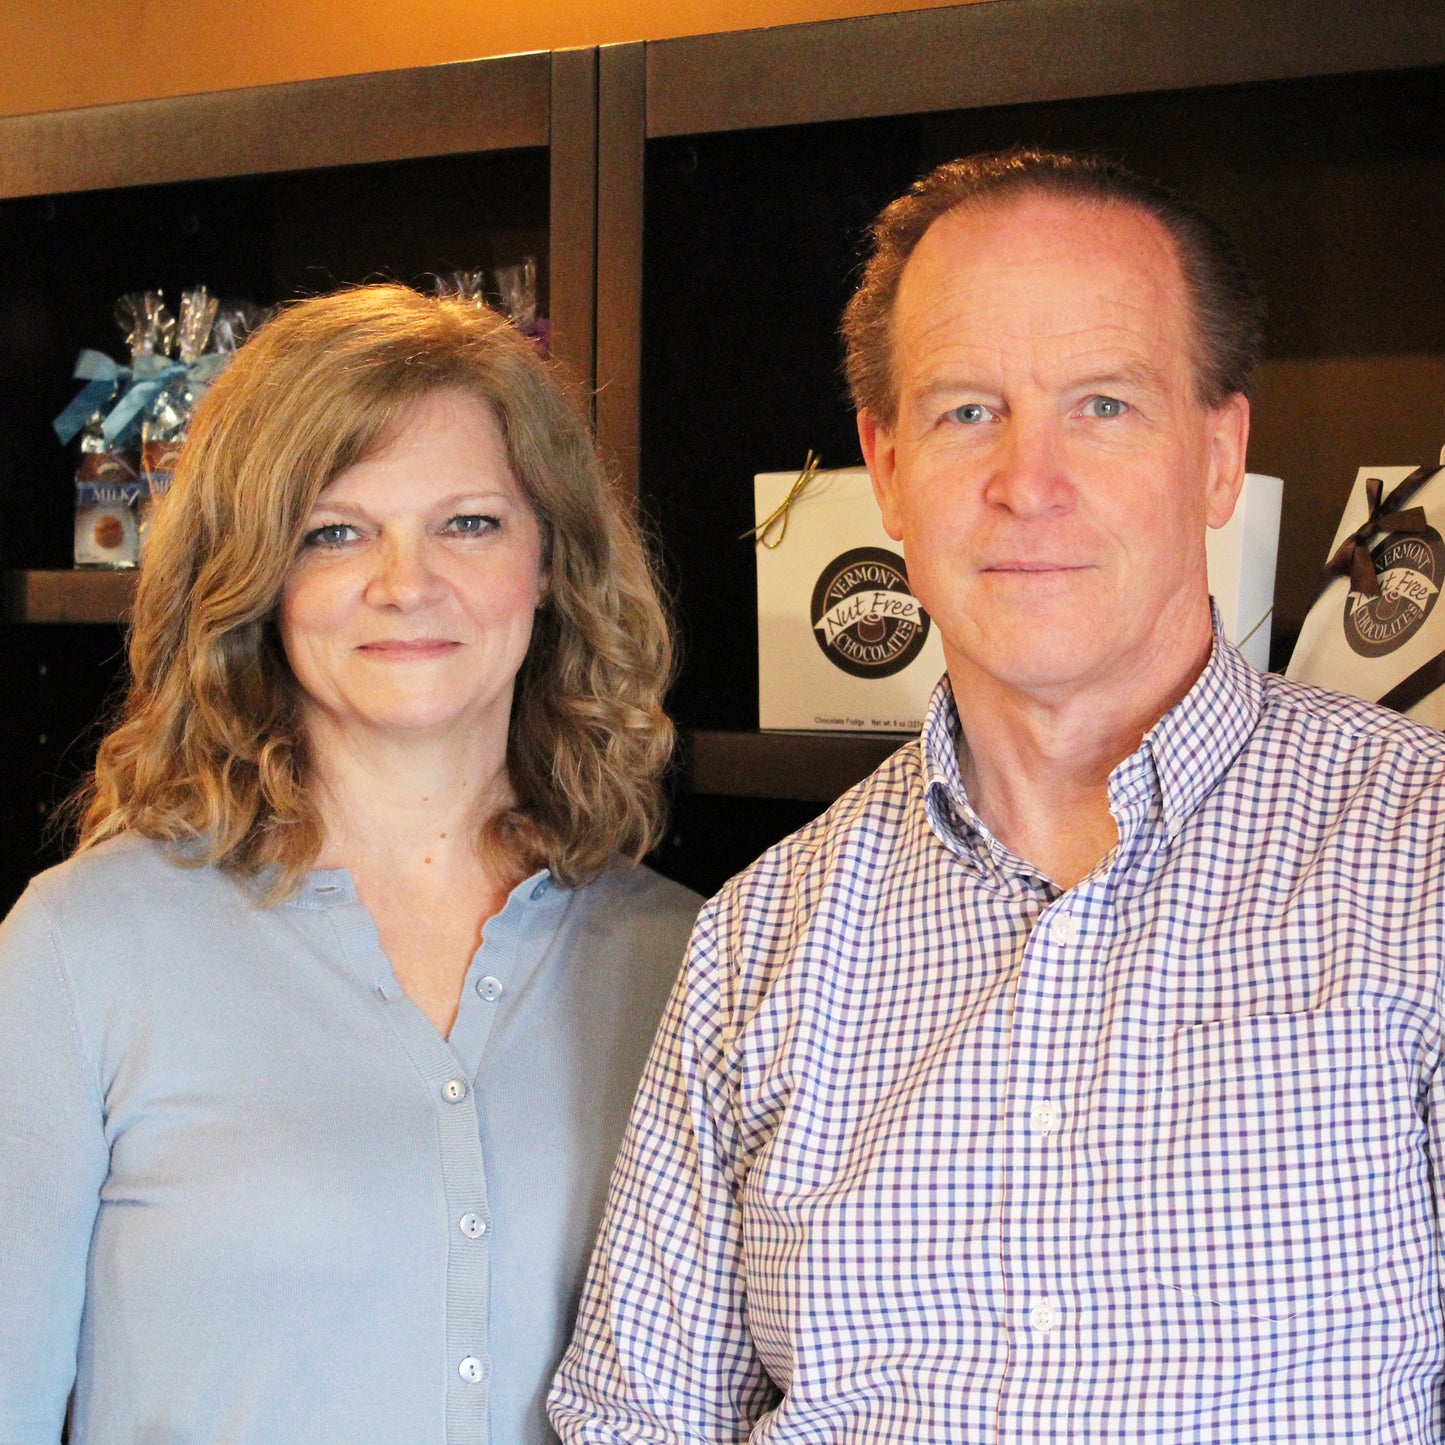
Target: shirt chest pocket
pixel 1289 1158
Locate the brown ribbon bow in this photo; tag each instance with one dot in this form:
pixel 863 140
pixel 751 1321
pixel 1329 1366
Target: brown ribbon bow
pixel 1353 558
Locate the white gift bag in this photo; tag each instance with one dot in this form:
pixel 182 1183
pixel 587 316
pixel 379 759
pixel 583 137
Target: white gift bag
pixel 1241 559
pixel 1376 630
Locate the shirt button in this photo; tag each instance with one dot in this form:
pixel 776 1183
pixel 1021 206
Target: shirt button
pixel 490 988
pixel 454 1090
pixel 472 1225
pixel 1063 929
pixel 471 1370
pixel 1043 1318
pixel 1044 1118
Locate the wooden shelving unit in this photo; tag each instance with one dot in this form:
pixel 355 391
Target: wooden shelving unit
pixel 78 596
pixel 806 767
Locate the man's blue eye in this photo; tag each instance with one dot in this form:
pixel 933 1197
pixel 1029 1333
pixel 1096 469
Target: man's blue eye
pixel 1106 406
pixel 970 413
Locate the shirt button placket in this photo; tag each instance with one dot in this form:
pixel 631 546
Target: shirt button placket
pixel 1044 1118
pixel 1063 929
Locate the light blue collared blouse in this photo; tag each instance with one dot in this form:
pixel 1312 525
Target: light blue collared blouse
pixel 247 1191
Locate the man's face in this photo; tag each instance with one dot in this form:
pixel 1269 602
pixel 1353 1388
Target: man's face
pixel 1050 473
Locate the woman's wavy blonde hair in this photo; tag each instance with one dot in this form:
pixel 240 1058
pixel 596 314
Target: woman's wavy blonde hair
pixel 208 752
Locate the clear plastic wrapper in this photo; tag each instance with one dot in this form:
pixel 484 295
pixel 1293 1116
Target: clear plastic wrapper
pixel 517 285
pixel 235 321
pixel 167 416
pixel 466 286
pixel 149 328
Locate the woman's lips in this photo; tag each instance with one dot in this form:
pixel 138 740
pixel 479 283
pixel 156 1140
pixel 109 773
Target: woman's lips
pixel 407 649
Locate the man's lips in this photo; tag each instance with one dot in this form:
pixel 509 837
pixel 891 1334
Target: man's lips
pixel 1035 566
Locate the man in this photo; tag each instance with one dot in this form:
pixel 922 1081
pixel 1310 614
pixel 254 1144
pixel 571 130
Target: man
pixel 1075 1077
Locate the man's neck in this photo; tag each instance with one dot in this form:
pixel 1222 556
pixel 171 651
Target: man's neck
pixel 1037 768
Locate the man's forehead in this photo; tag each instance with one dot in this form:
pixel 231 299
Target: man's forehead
pixel 1021 231
pixel 1073 274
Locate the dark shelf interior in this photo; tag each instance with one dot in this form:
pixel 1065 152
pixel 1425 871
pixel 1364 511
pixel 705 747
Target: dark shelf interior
pixel 265 238
pixel 68 257
pixel 62 682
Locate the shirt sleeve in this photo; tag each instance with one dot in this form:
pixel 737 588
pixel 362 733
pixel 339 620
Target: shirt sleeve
pixel 662 1351
pixel 53 1159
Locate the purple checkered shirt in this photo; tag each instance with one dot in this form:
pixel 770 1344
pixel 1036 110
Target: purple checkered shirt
pixel 928 1151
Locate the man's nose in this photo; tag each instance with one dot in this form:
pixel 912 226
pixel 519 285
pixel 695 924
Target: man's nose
pixel 1029 476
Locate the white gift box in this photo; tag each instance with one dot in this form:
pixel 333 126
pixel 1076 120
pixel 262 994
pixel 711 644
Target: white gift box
pixel 1390 647
pixel 844 646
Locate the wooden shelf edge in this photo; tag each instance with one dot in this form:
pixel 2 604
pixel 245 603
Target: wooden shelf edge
pixel 1009 52
pixel 501 103
pixel 797 766
pixel 80 595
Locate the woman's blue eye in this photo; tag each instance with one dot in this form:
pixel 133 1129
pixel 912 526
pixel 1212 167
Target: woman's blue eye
pixel 971 413
pixel 333 534
pixel 1105 407
pixel 471 524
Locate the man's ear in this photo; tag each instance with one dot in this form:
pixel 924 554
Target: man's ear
pixel 1228 444
pixel 878 453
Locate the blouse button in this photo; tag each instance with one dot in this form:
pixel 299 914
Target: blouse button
pixel 490 988
pixel 471 1370
pixel 473 1225
pixel 454 1090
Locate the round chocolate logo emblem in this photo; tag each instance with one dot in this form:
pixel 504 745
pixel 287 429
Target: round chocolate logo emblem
pixel 1410 567
pixel 865 619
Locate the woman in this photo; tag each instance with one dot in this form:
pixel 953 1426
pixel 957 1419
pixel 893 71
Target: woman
pixel 314 1057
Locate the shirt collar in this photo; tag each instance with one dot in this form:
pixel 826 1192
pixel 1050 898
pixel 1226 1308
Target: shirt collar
pixel 1157 787
pixel 326 888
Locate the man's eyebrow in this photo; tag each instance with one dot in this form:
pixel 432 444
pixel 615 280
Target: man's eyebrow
pixel 950 386
pixel 1142 374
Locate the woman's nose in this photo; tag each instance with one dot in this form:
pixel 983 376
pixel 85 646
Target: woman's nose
pixel 404 576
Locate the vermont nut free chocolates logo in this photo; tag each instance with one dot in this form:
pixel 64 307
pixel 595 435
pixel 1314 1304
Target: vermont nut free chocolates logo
pixel 865 619
pixel 1409 567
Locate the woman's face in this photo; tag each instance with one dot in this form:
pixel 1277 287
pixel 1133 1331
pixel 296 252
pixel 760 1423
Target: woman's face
pixel 409 607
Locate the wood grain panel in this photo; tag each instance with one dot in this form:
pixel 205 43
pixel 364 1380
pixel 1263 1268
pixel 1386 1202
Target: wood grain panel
pixel 1008 51
pixel 430 110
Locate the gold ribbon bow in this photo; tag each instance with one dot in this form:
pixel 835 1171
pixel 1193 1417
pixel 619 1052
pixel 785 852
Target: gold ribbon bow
pixel 1353 558
pixel 778 517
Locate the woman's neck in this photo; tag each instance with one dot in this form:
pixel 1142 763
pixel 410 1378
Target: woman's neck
pixel 404 805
